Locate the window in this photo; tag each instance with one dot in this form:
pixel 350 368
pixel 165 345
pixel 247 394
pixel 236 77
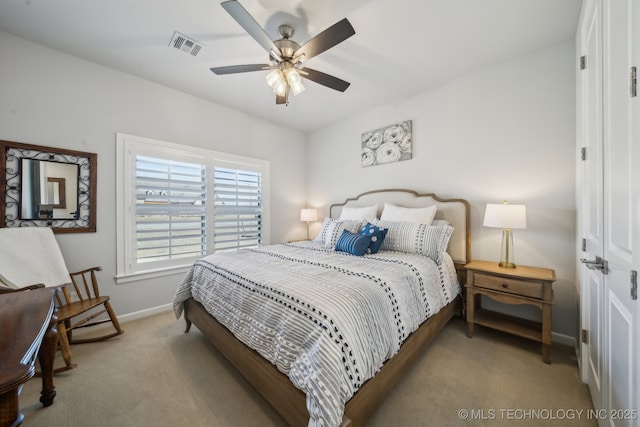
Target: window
pixel 238 209
pixel 177 204
pixel 170 209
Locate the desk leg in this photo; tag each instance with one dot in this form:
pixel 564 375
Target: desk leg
pixel 46 357
pixel 10 416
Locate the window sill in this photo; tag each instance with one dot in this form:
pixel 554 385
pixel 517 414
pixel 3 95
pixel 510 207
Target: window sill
pixel 151 274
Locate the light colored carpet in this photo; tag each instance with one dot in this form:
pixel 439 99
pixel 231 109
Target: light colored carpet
pixel 155 375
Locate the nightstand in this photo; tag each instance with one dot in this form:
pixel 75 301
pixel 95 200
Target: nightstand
pixel 520 285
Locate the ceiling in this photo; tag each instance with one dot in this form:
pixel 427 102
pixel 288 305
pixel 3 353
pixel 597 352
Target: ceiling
pixel 400 48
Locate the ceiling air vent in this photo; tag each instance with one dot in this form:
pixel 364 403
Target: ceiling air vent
pixel 185 44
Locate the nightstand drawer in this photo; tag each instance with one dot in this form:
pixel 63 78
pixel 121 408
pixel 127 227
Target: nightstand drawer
pixel 520 287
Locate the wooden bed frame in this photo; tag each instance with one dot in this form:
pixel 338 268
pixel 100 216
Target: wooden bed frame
pixel 277 389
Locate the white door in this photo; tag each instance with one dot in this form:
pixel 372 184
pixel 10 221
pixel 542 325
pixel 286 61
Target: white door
pixel 611 308
pixel 635 178
pixel 592 200
pixel 621 310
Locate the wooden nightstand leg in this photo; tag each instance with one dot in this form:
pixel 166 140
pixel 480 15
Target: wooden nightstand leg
pixel 546 332
pixel 545 353
pixel 470 312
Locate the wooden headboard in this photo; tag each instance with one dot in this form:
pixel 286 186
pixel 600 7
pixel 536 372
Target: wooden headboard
pixel 456 211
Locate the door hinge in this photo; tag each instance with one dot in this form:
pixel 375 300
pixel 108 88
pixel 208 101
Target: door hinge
pixel 583 153
pixel 583 62
pixel 584 336
pixel 584 245
pixel 634 285
pixel 632 82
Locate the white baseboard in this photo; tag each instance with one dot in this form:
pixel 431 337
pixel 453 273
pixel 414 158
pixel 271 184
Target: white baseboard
pixel 129 317
pixel 125 318
pixel 564 339
pixel 571 342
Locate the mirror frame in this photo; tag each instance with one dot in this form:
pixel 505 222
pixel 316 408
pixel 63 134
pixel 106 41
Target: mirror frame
pixel 11 155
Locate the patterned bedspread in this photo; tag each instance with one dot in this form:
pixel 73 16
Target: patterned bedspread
pixel 326 319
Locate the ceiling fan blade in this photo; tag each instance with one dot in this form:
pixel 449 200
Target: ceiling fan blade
pixel 250 25
pixel 233 69
pixel 335 34
pixel 325 79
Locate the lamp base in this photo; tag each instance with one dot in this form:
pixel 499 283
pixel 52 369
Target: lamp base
pixel 506 265
pixel 506 252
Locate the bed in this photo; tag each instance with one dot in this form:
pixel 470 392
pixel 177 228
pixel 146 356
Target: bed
pixel 324 335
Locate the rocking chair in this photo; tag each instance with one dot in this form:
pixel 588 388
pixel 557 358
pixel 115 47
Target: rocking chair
pixel 31 256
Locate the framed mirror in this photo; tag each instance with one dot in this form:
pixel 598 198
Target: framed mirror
pixel 47 187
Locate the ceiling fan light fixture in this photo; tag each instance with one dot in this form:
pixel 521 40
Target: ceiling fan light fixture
pixel 292 76
pixel 275 78
pixel 281 88
pixel 294 80
pixel 297 88
pixel 286 55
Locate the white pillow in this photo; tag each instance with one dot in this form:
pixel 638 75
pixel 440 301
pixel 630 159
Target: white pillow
pixel 332 229
pixel 402 214
pixel 369 213
pixel 428 240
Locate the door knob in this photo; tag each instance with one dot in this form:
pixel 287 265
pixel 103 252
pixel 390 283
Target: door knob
pixel 596 264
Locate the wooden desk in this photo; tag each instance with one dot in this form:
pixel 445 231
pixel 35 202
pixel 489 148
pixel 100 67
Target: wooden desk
pixel 27 327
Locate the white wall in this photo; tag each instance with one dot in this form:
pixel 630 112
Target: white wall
pixel 53 99
pixel 504 132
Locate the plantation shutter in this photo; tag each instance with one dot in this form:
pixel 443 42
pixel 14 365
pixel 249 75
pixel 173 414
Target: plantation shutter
pixel 238 209
pixel 170 209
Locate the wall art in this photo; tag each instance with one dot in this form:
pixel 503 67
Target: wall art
pixel 389 144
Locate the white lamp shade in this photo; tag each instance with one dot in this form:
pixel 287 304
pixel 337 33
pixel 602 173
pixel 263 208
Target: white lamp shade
pixel 308 215
pixel 505 216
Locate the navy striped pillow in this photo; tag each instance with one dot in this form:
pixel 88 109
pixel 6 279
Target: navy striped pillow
pixel 353 243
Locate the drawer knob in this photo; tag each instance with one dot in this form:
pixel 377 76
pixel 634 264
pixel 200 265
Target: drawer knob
pixel 504 285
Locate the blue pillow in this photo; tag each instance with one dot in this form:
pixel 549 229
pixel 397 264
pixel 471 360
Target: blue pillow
pixel 353 243
pixel 377 236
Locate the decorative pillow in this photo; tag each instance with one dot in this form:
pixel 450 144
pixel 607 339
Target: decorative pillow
pixel 369 213
pixel 332 228
pixel 353 243
pixel 427 240
pixel 417 215
pixel 377 236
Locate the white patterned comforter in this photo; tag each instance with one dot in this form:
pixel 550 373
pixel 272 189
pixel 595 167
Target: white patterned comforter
pixel 326 319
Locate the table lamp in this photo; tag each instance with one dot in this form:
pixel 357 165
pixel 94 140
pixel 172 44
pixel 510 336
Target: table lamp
pixel 308 215
pixel 507 217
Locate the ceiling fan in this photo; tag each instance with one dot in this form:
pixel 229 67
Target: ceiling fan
pixel 286 56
